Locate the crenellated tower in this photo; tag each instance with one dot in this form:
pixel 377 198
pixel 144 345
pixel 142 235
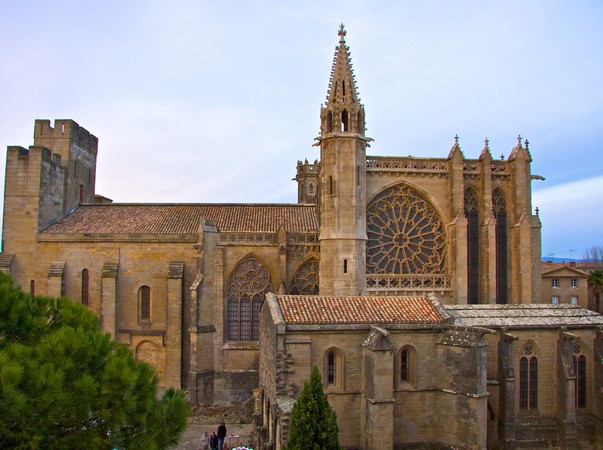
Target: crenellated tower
pixel 342 193
pixel 43 183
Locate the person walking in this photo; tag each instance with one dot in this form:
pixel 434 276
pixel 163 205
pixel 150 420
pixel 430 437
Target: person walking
pixel 221 434
pixel 204 441
pixel 213 441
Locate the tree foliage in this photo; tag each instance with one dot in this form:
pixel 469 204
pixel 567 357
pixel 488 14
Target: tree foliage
pixel 595 281
pixel 313 424
pixel 65 384
pixel 593 254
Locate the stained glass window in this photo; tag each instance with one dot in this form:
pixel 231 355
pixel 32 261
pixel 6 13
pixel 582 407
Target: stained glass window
pixel 248 285
pixel 405 234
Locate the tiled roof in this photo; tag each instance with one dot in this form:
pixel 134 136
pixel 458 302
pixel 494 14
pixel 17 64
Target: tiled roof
pixel 121 218
pixel 321 310
pixel 523 316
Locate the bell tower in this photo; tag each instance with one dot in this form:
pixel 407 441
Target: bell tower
pixel 342 198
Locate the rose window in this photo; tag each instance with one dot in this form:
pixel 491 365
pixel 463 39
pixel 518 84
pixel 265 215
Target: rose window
pixel 405 234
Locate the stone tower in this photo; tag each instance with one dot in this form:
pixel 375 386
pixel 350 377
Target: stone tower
pixel 42 184
pixel 342 192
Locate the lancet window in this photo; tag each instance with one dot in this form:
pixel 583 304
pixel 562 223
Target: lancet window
pixel 407 365
pixel 528 378
pixel 305 280
pixel 405 234
pixel 499 207
pixel 246 290
pixel 333 370
pixel 471 213
pixel 85 286
pixel 579 363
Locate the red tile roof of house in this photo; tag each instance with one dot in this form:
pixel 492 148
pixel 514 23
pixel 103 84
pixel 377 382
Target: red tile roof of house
pixel 321 310
pixel 120 218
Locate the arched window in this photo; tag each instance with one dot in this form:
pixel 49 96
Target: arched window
pixel 471 213
pixel 333 370
pixel 407 361
pixel 499 207
pixel 528 379
pixel 144 304
pixel 579 362
pixel 85 287
pixel 329 122
pixel 331 361
pixel 246 290
pixel 310 189
pixel 344 120
pixel 32 288
pixel 305 279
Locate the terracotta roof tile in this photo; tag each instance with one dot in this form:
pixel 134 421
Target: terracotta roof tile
pixel 320 310
pixel 121 218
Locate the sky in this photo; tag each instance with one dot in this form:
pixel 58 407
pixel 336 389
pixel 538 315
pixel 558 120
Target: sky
pixel 215 101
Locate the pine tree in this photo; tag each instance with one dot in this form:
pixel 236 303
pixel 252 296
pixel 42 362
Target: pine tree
pixel 313 423
pixel 65 384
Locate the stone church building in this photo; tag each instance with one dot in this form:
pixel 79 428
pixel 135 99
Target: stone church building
pixel 412 283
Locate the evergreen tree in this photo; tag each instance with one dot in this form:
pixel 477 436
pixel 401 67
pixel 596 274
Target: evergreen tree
pixel 65 384
pixel 595 281
pixel 313 424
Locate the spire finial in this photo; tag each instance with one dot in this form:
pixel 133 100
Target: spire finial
pixel 527 143
pixel 456 139
pixel 486 141
pixel 537 211
pixel 519 140
pixel 342 31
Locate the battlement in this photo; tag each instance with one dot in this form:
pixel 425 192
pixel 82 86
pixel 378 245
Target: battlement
pixel 64 129
pixel 24 153
pixel 306 167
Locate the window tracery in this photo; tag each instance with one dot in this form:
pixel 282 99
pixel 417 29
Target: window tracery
pixel 305 280
pixel 247 288
pixel 405 234
pixel 579 364
pixel 528 378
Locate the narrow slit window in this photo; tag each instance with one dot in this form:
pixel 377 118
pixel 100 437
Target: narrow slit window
pixel 345 266
pixel 404 366
pixel 85 286
pixel 144 298
pixel 331 368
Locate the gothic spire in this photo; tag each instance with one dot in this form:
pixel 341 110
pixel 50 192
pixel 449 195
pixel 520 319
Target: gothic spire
pixel 342 112
pixel 342 84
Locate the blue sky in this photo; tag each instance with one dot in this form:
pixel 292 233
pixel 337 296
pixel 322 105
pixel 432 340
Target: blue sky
pixel 198 101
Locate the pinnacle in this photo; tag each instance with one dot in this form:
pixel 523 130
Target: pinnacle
pixel 342 82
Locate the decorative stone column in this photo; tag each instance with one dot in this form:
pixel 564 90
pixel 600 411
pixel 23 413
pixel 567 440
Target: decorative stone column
pixel 377 390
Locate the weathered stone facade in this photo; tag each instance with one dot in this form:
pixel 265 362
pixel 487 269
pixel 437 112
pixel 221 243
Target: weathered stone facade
pixel 183 284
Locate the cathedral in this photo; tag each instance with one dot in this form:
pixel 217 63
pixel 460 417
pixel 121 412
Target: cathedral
pixel 413 284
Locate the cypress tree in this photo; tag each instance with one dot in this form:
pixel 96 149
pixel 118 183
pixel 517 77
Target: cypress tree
pixel 313 424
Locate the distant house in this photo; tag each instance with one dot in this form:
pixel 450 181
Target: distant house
pixel 563 284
